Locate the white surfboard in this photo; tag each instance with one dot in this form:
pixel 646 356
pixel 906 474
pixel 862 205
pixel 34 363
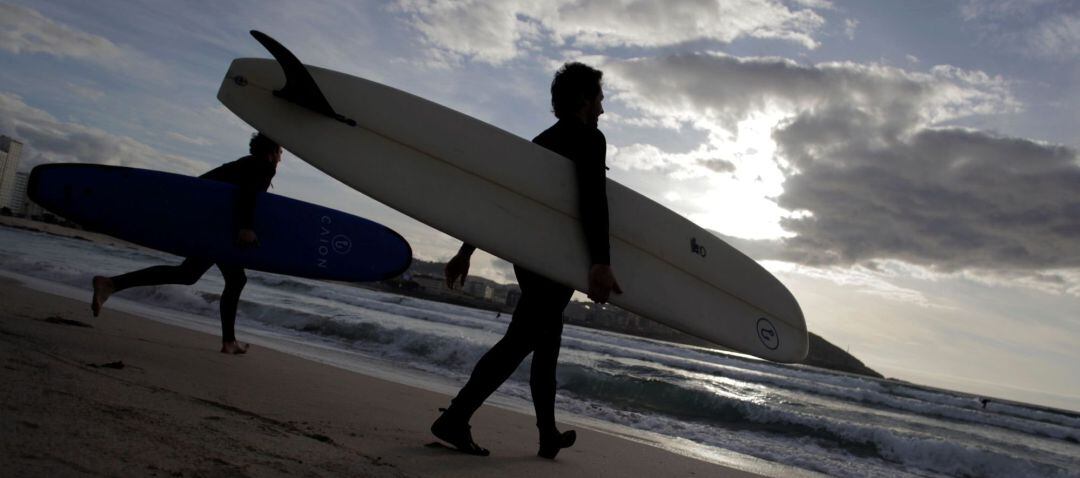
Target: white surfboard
pixel 514 199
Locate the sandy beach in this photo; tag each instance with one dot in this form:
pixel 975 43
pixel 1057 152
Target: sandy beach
pixel 121 395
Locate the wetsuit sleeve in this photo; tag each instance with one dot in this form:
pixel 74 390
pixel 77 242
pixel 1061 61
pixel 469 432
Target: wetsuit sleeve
pixel 466 249
pixel 592 193
pixel 244 207
pixel 248 186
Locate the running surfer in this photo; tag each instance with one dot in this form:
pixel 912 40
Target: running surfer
pixel 536 326
pixel 251 174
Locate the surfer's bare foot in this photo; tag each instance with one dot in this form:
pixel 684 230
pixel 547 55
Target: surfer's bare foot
pixel 234 348
pixel 103 288
pixel 457 433
pixel 550 444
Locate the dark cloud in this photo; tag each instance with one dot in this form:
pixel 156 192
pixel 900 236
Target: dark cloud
pixel 719 165
pixel 946 198
pixel 496 32
pixel 23 30
pixel 728 89
pixel 868 172
pixel 47 139
pixel 757 249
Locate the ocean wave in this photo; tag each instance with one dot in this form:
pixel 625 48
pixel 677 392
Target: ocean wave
pixel 283 283
pixel 1025 412
pixel 868 391
pixel 742 408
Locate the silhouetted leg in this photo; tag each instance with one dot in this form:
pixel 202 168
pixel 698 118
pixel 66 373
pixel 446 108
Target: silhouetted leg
pixel 537 318
pixel 187 273
pixel 491 371
pixel 496 365
pixel 235 279
pixel 542 375
pixel 547 339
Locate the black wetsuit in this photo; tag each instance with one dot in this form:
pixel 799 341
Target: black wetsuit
pixel 536 326
pixel 251 175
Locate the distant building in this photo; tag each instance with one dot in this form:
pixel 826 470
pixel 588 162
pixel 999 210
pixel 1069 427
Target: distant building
pixel 434 285
pixel 20 202
pixel 512 297
pixel 499 292
pixel 10 151
pixel 479 289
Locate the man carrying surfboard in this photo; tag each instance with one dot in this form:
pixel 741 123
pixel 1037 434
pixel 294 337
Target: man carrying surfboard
pixel 536 326
pixel 251 174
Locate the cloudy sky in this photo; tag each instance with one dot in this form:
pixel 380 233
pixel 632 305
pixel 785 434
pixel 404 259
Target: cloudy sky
pixel 908 169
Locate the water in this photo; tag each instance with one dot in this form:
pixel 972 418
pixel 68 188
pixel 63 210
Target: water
pixel 696 401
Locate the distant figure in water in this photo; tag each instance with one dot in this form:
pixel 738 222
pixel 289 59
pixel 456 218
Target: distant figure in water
pixel 251 174
pixel 985 401
pixel 536 326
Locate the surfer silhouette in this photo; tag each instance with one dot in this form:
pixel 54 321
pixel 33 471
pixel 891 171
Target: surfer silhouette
pixel 536 325
pixel 251 174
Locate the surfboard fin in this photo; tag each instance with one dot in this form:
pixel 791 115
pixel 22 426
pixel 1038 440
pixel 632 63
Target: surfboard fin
pixel 300 87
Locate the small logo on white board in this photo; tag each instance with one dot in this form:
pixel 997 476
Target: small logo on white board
pixel 767 334
pixel 697 248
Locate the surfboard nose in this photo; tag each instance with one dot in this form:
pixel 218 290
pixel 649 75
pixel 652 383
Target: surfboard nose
pixel 397 247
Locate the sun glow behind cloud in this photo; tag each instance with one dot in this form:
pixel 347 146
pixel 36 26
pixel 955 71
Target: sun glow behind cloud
pixel 741 203
pixel 726 184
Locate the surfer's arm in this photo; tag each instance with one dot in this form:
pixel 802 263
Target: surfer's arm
pixel 248 187
pixel 244 216
pixel 458 266
pixel 246 237
pixel 602 283
pixel 592 191
pixel 466 249
pixel 244 203
pixel 592 203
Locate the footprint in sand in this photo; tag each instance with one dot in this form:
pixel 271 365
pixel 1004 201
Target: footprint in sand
pixel 54 319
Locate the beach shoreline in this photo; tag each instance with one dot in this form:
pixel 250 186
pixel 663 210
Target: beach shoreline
pixel 125 395
pixel 823 354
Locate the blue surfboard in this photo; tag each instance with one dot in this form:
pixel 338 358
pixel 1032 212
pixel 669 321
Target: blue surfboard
pixel 193 217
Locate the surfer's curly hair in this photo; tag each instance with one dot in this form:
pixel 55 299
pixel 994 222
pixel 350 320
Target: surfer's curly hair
pixel 574 84
pixel 261 144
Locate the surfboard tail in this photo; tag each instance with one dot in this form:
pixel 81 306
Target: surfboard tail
pixel 300 87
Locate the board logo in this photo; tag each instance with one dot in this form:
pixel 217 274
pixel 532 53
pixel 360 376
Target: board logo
pixel 341 244
pixel 767 334
pixel 697 248
pixel 327 243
